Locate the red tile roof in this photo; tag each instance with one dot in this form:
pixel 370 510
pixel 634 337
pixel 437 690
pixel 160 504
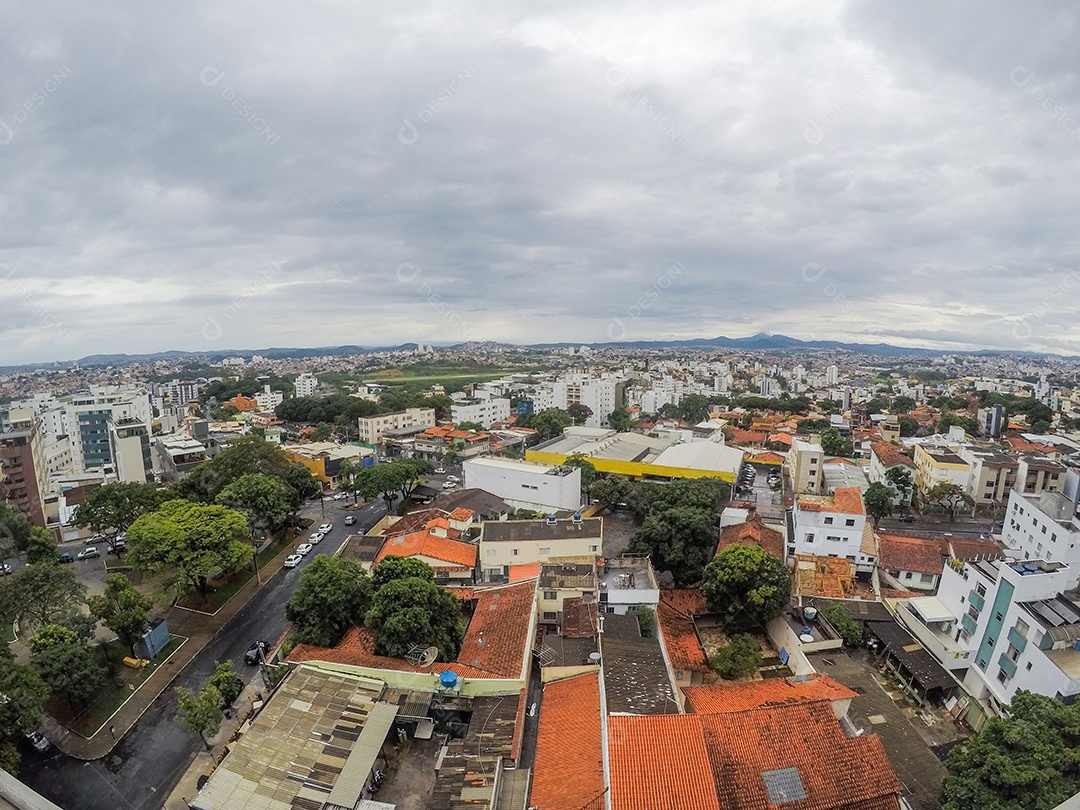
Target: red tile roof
pixel 752 533
pixel 922 556
pixel 674 614
pixel 890 456
pixel 718 761
pixel 462 515
pixel 579 619
pixel 495 646
pixel 782 438
pixel 768 457
pixel 520 573
pixel 426 544
pixel 569 722
pixel 497 639
pixel 892 593
pixel 849 500
pixel 737 697
pixel 412 522
pixel 659 762
pixel 971 548
pixel 748 436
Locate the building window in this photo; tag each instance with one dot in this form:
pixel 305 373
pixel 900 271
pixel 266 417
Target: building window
pixel 1021 627
pixel 832 539
pixel 907 575
pixel 1003 676
pixel 809 538
pixel 1027 667
pixel 849 522
pixel 1013 653
pixel 594 549
pixel 813 472
pixel 489 552
pixel 545 550
pixel 514 552
pixel 550 616
pixel 828 521
pixel 980 589
pixel 550 596
pixel 791 549
pixel 926 579
pixel 998 617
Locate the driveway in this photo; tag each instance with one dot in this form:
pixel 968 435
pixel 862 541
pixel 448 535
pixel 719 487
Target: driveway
pixel 875 711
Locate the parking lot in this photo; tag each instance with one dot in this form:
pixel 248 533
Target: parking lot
pixel 768 502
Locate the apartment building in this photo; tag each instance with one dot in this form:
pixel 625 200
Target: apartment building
pixel 804 463
pixel 527 542
pixel 268 399
pixel 305 385
pixel 483 411
pixel 89 416
pixel 884 457
pixel 991 476
pixel 372 428
pixel 935 465
pixel 129 446
pixel 833 526
pixel 23 471
pixel 1046 526
pixel 1036 474
pixel 601 395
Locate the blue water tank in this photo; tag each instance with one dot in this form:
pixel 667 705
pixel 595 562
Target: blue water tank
pixel 448 680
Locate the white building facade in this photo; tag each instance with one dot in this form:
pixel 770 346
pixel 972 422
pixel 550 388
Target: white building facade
pixel 526 484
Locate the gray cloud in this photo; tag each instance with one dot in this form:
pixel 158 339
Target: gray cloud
pixel 544 165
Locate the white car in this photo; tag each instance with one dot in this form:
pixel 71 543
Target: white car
pixel 339 496
pixel 448 485
pixel 453 478
pixel 325 528
pixel 440 470
pixel 315 539
pixel 304 548
pixel 88 553
pixel 293 560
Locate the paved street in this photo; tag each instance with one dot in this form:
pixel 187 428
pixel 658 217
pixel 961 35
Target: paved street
pixel 141 770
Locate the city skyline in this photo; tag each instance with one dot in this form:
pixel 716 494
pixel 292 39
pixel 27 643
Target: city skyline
pixel 531 173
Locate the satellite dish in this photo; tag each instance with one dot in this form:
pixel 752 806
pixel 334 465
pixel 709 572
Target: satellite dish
pixel 428 657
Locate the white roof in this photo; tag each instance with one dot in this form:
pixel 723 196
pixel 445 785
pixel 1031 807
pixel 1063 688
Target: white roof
pixel 931 609
pixel 701 456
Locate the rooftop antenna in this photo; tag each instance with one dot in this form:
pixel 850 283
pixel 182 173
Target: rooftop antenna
pixel 422 656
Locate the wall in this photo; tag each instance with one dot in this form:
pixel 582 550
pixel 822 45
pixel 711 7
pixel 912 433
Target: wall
pixel 783 637
pixel 525 485
pixel 632 469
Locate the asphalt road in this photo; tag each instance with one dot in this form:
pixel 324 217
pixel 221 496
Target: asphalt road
pixel 143 768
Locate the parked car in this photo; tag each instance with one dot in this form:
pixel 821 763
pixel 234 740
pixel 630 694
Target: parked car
pixel 453 478
pixel 304 549
pixel 448 485
pixel 907 518
pixel 339 496
pixel 5 569
pixel 89 553
pixel 37 739
pixel 326 528
pixel 315 538
pixel 65 557
pixel 440 470
pixel 120 545
pixel 350 520
pixel 257 652
pixel 293 560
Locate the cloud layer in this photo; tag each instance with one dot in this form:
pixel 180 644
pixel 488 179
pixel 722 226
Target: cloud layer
pixel 200 176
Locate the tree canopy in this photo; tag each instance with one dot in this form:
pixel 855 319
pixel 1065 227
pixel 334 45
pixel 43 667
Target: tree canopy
pixel 243 456
pixel 14 525
pixel 620 420
pixel 66 663
pixel 332 595
pixel 186 543
pixel 199 712
pixel 123 609
pixel 41 547
pixel 409 609
pixel 1027 761
pixel 551 422
pixel 678 539
pixel 588 471
pixel 393 567
pixel 747 585
pixel 948 496
pixel 264 500
pixel 43 593
pixel 25 693
pixel 878 500
pixel 111 508
pixel 740 657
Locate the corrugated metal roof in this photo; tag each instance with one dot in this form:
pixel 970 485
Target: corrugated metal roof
pixel 351 779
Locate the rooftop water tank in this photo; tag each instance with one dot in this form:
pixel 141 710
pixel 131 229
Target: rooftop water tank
pixel 448 680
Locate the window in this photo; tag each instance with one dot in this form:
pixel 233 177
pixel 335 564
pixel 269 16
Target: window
pixel 489 552
pixel 907 575
pixel 791 549
pixel 926 579
pixel 998 617
pixel 550 616
pixel 980 589
pixel 828 521
pixel 594 549
pixel 545 550
pixel 1003 676
pixel 550 596
pixel 1021 627
pixel 514 552
pixel 1013 653
pixel 809 538
pixel 813 472
pixel 1044 530
pixel 832 539
pixel 1027 667
pixel 964 634
pixel 849 522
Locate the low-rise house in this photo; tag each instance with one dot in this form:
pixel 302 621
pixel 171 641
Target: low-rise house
pixel 453 562
pixel 520 542
pixel 682 645
pixel 725 698
pixel 914 563
pixel 570 721
pixel 627 582
pixel 558 582
pixel 884 457
pixel 437 442
pixel 833 526
pixel 753 533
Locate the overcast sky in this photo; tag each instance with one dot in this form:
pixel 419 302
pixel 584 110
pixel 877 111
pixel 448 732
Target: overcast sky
pixel 202 175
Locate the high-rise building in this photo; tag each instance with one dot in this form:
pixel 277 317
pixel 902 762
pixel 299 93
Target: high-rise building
pixel 129 445
pixel 306 385
pixel 832 375
pixel 90 415
pixel 23 472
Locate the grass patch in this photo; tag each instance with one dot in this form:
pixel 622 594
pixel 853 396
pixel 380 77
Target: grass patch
pixel 113 694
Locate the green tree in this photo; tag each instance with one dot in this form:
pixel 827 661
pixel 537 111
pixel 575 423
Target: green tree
pixel 739 658
pixel 579 413
pixel 832 443
pixel 21 709
pixel 411 611
pixel 41 547
pixel 551 422
pixel 588 471
pixel 199 712
pixel 409 472
pixel 900 480
pixel 393 567
pixel 66 663
pixel 901 404
pixel 620 420
pixel 333 594
pixel 123 609
pixel 7 548
pixel 248 454
pixel 322 432
pixel 186 543
pixel 811 425
pixel 747 586
pixel 693 408
pixel 265 501
pixel 908 426
pixel 947 420
pixel 226 680
pixel 1027 760
pixel 680 540
pixel 611 489
pixel 474 426
pixel 302 484
pixel 948 496
pixel 43 593
pixel 840 618
pixel 15 525
pixel 878 500
pixel 111 508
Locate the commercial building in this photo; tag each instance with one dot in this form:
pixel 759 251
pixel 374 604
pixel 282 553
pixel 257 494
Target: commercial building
pixel 526 484
pixel 324 459
pixel 23 470
pixel 372 428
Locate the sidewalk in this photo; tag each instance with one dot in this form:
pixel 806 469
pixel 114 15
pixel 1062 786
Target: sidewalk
pixel 204 762
pixel 200 630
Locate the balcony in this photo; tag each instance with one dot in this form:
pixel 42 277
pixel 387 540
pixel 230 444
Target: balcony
pixel 977 601
pixel 1007 664
pixel 1016 639
pixel 968 623
pixel 940 644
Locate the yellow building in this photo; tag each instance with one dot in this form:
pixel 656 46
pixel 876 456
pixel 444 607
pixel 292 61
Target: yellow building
pixel 324 459
pixel 936 465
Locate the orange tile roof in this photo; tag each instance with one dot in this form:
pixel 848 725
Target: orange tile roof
pixel 782 438
pixel 426 544
pixel 674 614
pixel 659 762
pixel 752 533
pixel 921 555
pixel 737 697
pixel 748 436
pixel 520 573
pixel 848 500
pixel 462 515
pixel 890 456
pixel 497 638
pixel 569 722
pixel 412 522
pixel 768 457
